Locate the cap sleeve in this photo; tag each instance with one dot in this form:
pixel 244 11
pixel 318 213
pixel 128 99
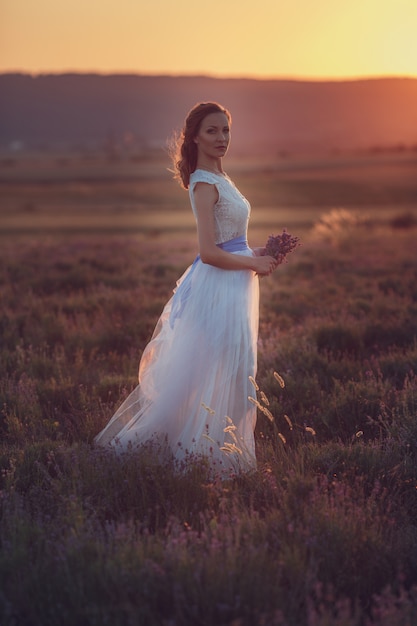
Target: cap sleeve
pixel 201 176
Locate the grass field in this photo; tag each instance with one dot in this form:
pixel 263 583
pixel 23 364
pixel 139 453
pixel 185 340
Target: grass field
pixel 325 532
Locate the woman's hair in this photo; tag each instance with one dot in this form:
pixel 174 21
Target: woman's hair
pixel 184 151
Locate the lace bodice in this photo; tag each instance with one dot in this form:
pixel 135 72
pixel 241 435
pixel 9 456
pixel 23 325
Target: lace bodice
pixel 231 211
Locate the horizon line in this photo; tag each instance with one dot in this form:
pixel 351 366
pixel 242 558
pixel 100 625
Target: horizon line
pixel 317 79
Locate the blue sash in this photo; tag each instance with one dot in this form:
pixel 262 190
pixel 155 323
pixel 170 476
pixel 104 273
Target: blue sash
pixel 182 293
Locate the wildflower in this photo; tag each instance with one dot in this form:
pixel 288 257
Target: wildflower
pixel 209 438
pixel 264 398
pixel 268 414
pixel 280 380
pixel 281 436
pixel 279 246
pixel 255 402
pixel 231 427
pixel 230 447
pixel 254 383
pixel 338 223
pixel 289 422
pixel 308 429
pixel 263 409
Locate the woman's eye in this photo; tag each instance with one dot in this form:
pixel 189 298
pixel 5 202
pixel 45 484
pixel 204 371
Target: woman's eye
pixel 212 131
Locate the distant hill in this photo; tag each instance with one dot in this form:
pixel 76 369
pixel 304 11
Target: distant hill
pixel 270 116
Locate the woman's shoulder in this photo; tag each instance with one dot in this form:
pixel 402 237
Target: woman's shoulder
pixel 204 176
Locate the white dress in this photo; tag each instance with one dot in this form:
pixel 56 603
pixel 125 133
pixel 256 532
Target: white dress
pixel 192 396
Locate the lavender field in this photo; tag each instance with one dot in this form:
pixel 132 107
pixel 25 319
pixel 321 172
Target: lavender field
pixel 324 533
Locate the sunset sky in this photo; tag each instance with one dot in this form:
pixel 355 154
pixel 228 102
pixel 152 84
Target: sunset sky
pixel 267 38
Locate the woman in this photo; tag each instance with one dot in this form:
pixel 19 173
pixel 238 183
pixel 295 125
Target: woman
pixel 194 384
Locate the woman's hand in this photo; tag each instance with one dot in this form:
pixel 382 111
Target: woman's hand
pixel 206 196
pixel 264 265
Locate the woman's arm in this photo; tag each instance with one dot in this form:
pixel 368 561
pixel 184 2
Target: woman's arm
pixel 205 197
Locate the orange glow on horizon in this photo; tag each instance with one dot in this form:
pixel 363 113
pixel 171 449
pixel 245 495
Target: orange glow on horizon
pixel 327 39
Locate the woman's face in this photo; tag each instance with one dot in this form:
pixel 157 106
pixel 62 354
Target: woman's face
pixel 214 136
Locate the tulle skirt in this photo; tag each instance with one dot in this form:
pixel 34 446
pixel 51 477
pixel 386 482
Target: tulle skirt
pixel 192 396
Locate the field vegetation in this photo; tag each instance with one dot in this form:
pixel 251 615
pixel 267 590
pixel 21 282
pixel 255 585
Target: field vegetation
pixel 324 533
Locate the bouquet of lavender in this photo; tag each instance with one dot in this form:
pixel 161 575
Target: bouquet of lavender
pixel 280 245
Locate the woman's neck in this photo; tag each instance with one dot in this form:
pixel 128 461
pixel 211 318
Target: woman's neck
pixel 210 166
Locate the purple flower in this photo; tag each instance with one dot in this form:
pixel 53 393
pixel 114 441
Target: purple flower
pixel 278 246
